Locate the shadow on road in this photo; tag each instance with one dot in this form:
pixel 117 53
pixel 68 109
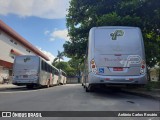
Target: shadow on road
pixel 110 92
pixel 15 89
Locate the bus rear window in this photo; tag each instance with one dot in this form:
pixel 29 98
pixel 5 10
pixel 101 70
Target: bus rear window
pixel 27 62
pixel 128 42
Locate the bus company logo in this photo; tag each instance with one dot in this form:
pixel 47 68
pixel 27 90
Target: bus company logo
pixel 116 34
pixel 26 59
pixel 131 59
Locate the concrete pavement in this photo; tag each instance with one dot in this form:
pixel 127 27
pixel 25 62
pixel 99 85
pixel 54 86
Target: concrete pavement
pixel 73 97
pixel 155 93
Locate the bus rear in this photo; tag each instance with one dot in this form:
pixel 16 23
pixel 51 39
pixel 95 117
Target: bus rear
pixel 116 56
pixel 25 70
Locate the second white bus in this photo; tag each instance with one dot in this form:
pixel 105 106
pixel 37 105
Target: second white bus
pixel 63 77
pixel 34 71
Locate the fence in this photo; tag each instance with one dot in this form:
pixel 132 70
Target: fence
pixel 73 80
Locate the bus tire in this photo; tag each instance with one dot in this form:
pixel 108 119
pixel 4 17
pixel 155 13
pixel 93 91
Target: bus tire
pixel 89 88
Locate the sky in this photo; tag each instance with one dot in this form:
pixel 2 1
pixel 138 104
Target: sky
pixel 41 22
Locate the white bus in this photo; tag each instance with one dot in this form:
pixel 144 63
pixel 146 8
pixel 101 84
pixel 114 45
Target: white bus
pixel 34 71
pixel 63 77
pixel 116 56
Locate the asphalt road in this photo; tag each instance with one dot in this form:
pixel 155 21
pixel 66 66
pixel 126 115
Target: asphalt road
pixel 73 97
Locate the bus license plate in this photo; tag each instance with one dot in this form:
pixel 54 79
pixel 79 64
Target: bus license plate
pixel 25 76
pixel 117 69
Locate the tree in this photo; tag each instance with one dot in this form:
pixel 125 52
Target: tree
pixel 77 64
pixel 66 68
pixel 85 14
pixel 59 57
pixel 159 74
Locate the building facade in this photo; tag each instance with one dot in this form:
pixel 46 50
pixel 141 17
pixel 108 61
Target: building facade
pixel 11 45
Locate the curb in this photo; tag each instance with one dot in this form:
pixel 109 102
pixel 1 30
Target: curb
pixel 141 94
pixel 4 86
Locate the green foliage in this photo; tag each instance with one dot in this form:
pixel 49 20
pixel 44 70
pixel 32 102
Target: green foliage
pixel 59 57
pixel 112 19
pixel 152 85
pixel 66 68
pixel 77 64
pixel 85 14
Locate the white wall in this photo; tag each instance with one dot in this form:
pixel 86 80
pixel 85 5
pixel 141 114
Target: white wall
pixel 4 73
pixel 5 52
pixel 6 45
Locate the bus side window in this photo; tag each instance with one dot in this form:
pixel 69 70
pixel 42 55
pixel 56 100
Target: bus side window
pixel 50 69
pixel 43 65
pixel 53 71
pixel 47 68
pixel 56 72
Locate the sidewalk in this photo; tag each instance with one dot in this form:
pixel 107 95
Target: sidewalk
pixel 155 93
pixel 7 86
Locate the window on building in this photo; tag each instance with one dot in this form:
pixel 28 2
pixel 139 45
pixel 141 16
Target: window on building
pixel 28 50
pixel 15 43
pixel 10 72
pixel 11 40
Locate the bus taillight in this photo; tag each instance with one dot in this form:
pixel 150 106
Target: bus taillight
pixel 143 66
pixel 93 66
pixel 107 79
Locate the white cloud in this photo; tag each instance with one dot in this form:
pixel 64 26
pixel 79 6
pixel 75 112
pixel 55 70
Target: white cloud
pixel 60 34
pixel 51 39
pixel 46 32
pixel 50 9
pixel 48 54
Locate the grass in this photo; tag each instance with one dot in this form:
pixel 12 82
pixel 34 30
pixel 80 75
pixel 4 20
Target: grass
pixel 152 85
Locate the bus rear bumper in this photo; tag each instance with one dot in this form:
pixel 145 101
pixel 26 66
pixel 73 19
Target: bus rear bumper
pixel 98 79
pixel 24 82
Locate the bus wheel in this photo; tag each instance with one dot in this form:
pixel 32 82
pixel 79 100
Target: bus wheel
pixel 89 88
pixel 29 86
